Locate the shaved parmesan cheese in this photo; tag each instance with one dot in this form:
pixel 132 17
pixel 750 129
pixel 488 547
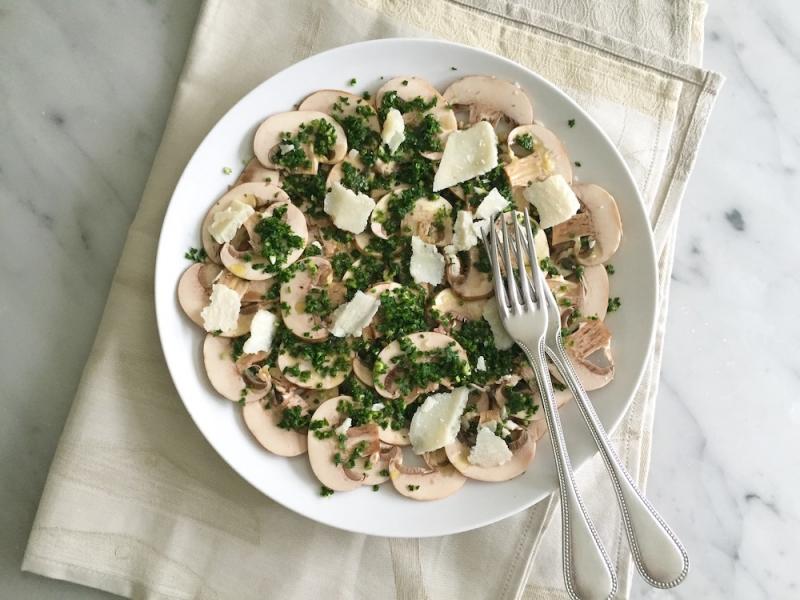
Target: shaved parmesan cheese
pixel 540 244
pixel 480 364
pixel 502 340
pixel 436 422
pixel 464 236
pixel 394 129
pixel 489 450
pixel 554 200
pixel 378 406
pixel 492 203
pixel 262 330
pixel 467 154
pixel 348 210
pixel 346 424
pixel 427 265
pixel 226 222
pixel 222 314
pixel 355 315
pixel 480 227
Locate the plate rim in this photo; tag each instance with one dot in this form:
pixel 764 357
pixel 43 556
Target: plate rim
pixel 564 97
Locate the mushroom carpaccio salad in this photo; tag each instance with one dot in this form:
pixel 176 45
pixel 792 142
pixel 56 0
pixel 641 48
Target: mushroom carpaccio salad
pixel 348 303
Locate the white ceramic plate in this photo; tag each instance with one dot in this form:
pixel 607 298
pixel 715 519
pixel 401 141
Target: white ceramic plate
pixel 290 481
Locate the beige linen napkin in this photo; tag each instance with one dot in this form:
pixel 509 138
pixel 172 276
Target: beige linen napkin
pixel 137 503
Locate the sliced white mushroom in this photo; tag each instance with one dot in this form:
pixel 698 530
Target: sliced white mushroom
pixel 255 172
pixel 424 483
pixel 362 372
pixel 458 454
pixel 322 451
pixel 424 342
pixel 589 350
pixel 599 220
pixel 339 104
pixel 256 194
pixel 457 308
pixel 309 377
pixel 223 374
pixel 262 419
pixel 409 88
pixel 471 283
pixel 192 296
pixel 502 103
pixel 268 137
pixel 430 220
pixel 595 285
pixel 315 273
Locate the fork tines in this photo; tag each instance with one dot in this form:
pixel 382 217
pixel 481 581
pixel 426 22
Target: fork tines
pixel 521 291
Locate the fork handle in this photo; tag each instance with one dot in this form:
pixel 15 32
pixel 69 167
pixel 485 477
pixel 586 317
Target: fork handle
pixel 658 554
pixel 588 574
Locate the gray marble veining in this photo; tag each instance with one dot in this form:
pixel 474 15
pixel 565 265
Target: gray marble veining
pixel 84 91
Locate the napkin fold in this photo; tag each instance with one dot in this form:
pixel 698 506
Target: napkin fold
pixel 137 503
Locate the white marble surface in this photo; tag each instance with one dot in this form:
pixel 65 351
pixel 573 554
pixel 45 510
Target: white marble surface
pixel 85 88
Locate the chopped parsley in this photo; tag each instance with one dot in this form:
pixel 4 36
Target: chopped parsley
pixel 415 369
pixel 355 180
pixel 227 170
pixel 577 163
pixel 277 240
pixel 325 491
pixel 293 418
pixel 352 82
pixel 376 487
pixel 318 302
pixel 477 339
pixel 237 346
pixel 614 304
pixel 196 255
pixel 525 141
pixel 548 267
pixel 402 311
pixel 307 191
pixel 571 122
pixel 412 488
pixel 391 100
pixel 519 403
pixel 318 133
pixel 610 269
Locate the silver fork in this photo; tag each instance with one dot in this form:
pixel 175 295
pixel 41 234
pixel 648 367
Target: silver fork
pixel 587 570
pixel 657 552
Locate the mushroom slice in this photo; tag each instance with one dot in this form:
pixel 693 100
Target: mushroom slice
pixel 255 172
pixel 568 294
pixel 431 221
pixel 256 194
pixel 336 174
pixel 549 156
pixel 269 134
pixel 491 99
pixel 192 296
pixel 302 373
pixel 381 211
pixel 364 440
pixel 315 273
pixel 262 419
pixel 395 437
pixel 589 349
pixel 449 303
pixel 458 453
pixel 471 283
pixel 424 483
pixel 339 104
pixel 362 372
pixel 409 88
pixel 424 342
pixel 595 286
pixel 222 371
pixel 257 290
pixel 606 225
pixel 322 451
